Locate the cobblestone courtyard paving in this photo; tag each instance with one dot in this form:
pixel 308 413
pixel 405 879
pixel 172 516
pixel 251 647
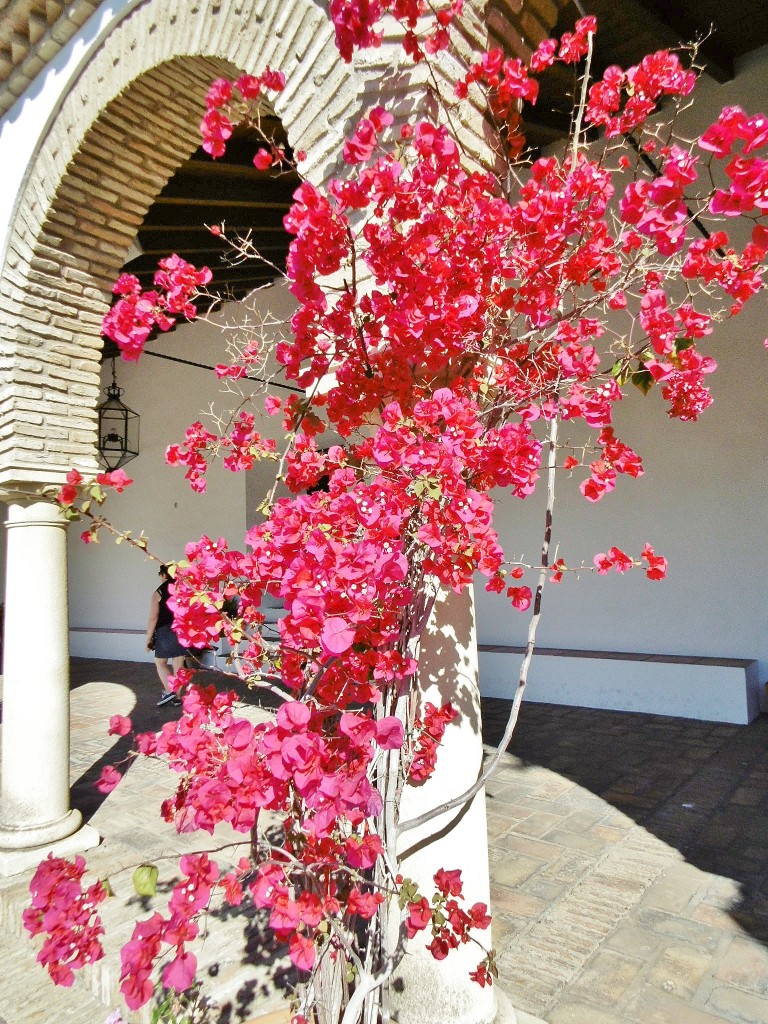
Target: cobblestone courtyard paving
pixel 629 867
pixel 628 864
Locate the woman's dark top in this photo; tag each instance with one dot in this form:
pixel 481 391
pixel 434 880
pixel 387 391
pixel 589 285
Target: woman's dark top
pixel 164 615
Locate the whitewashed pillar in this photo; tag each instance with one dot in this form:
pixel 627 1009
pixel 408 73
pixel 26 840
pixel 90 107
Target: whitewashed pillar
pixel 34 787
pixel 425 990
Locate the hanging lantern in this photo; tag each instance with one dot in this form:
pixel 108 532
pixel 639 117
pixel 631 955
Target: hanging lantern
pixel 118 429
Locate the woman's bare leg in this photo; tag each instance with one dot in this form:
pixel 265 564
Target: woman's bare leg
pixel 161 664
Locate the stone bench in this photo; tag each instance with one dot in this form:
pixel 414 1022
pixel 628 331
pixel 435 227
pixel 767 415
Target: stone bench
pixel 707 689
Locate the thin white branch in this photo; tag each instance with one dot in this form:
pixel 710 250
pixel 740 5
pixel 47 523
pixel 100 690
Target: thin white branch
pixel 469 794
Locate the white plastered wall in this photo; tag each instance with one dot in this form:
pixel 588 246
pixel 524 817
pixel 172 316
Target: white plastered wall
pixel 701 503
pixel 111 585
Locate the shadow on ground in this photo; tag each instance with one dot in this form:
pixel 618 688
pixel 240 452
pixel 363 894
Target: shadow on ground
pixel 238 995
pixel 700 787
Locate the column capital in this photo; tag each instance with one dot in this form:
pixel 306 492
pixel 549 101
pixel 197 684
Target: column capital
pixel 34 510
pixel 21 485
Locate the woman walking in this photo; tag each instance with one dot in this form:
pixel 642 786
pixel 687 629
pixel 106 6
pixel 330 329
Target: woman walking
pixel 162 639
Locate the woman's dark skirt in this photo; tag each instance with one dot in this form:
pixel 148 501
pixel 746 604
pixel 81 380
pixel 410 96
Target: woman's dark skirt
pixel 167 643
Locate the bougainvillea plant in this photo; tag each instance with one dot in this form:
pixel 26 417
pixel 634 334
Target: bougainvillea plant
pixel 453 308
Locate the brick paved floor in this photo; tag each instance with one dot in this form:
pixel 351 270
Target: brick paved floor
pixel 628 866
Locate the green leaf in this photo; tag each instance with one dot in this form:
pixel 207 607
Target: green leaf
pixel 145 879
pixel 409 893
pixel 643 380
pixel 683 343
pixel 428 486
pixel 620 371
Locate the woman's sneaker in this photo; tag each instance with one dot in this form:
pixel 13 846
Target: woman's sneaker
pixel 169 697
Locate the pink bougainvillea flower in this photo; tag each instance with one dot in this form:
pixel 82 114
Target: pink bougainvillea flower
pixel 117 478
pixel 657 565
pixel 67 495
pixel 263 160
pixel 363 853
pixel 419 916
pixel 180 972
pixel 520 597
pixel 119 725
pixel 449 882
pixel 301 950
pixel 390 733
pixel 336 636
pixel 108 779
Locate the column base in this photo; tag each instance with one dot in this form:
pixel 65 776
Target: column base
pixel 430 999
pixel 27 836
pixel 21 849
pixel 505 1011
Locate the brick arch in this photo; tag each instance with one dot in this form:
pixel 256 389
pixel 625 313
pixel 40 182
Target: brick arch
pixel 119 135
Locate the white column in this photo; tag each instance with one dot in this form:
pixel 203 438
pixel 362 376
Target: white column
pixel 34 786
pixel 425 990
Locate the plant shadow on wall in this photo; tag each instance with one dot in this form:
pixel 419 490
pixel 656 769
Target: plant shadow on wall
pixel 697 786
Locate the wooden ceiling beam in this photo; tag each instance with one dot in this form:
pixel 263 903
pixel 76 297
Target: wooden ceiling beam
pixel 713 53
pixel 171 216
pixel 233 181
pixel 204 201
pixel 162 251
pixel 254 269
pixel 199 227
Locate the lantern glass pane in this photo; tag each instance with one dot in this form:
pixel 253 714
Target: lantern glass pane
pixel 118 432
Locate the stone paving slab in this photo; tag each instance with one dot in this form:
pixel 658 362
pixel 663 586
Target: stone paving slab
pixel 128 819
pixel 627 853
pixel 643 900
